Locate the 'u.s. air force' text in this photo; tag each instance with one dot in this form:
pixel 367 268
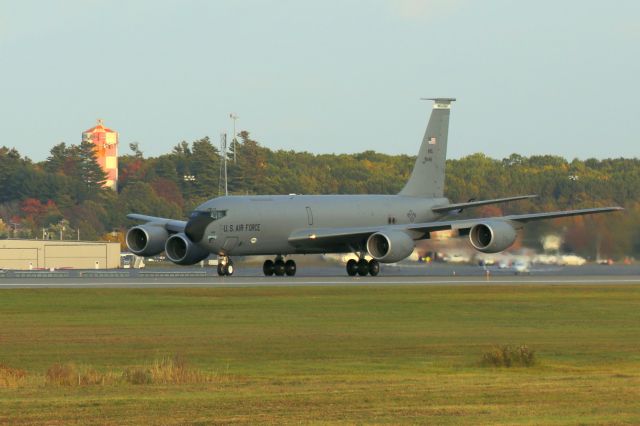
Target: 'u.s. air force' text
pixel 243 227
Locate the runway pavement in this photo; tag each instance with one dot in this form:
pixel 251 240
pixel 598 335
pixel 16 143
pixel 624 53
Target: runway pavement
pixel 411 275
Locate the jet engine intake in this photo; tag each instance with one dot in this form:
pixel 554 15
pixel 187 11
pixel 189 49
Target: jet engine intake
pixel 493 236
pixel 146 240
pixel 389 247
pixel 182 251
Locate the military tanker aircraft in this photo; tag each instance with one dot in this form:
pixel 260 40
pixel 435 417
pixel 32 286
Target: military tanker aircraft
pixel 385 227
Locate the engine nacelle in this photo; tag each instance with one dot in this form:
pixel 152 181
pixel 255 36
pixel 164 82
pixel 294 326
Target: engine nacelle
pixel 182 251
pixel 493 236
pixel 389 247
pixel 146 240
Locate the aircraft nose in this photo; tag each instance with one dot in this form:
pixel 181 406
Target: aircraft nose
pixel 197 225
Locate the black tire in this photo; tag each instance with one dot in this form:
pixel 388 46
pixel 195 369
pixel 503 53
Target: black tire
pixel 290 267
pixel 278 267
pixel 229 269
pixel 268 268
pixel 352 267
pixel 374 267
pixel 222 271
pixel 363 267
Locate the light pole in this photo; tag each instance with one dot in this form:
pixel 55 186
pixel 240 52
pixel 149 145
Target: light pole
pixel 223 164
pixel 234 141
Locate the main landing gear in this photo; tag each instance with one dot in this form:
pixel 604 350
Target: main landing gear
pixel 279 267
pixel 363 267
pixel 225 266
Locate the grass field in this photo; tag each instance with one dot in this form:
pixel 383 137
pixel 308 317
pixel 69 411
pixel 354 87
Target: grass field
pixel 323 355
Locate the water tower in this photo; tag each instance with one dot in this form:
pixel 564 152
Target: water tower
pixel 105 143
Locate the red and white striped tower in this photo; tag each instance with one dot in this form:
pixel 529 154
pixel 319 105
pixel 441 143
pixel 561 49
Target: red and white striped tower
pixel 105 142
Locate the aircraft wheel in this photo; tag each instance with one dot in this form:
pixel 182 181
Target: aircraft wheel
pixel 290 267
pixel 230 268
pixel 226 268
pixel 374 267
pixel 268 268
pixel 278 267
pixel 363 267
pixel 352 267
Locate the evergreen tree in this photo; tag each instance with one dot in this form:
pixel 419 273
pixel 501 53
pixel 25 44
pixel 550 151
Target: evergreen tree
pixel 92 175
pixel 57 160
pixel 205 167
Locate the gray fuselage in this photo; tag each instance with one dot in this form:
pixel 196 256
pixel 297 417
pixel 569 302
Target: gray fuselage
pixel 261 225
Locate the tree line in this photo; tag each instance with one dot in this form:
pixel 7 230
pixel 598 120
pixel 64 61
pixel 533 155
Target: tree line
pixel 63 195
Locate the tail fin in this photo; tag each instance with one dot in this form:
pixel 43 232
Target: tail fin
pixel 427 177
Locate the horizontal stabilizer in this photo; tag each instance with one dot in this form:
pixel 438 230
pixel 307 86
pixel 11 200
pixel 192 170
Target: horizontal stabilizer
pixel 460 206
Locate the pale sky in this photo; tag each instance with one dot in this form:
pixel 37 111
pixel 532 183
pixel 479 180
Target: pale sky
pixel 537 77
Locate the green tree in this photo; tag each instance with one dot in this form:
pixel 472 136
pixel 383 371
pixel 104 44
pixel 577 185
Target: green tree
pixel 205 168
pixel 90 172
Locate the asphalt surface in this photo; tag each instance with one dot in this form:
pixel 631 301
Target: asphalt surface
pixel 327 275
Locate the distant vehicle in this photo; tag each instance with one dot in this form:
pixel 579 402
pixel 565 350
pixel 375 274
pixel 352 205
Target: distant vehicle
pixel 130 260
pixel 521 267
pixel 456 258
pixel 385 227
pixel 571 260
pixel 546 259
pixel 126 260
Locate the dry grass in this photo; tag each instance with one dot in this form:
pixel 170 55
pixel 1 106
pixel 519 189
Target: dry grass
pixel 11 377
pixel 176 371
pixel 136 376
pixel 71 374
pixel 355 355
pixel 167 371
pixel 509 356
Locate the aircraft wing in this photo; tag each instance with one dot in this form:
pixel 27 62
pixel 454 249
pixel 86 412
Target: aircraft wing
pixel 170 225
pixel 554 215
pixel 356 236
pixel 469 204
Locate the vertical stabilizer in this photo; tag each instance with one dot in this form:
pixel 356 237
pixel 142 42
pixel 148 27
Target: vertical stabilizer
pixel 427 177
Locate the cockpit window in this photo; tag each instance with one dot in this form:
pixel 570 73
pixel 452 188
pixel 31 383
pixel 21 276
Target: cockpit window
pixel 215 214
pixel 218 214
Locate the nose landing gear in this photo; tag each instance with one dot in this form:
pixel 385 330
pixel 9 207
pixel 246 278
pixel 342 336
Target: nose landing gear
pixel 363 267
pixel 225 266
pixel 279 267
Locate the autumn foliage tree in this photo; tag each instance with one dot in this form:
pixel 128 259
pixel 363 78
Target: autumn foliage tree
pixel 68 186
